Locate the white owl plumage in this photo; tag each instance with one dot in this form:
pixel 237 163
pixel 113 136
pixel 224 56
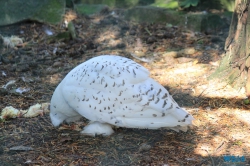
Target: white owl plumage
pixel 111 91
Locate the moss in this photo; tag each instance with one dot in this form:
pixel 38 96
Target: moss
pixel 89 9
pixel 52 12
pixel 49 11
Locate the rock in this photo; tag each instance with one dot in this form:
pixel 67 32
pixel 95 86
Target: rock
pixel 213 23
pixel 195 21
pixel 48 11
pixel 146 14
pixel 90 9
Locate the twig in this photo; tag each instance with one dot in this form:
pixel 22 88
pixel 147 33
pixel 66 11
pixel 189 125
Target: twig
pixel 210 157
pixel 219 147
pixel 148 31
pixel 141 59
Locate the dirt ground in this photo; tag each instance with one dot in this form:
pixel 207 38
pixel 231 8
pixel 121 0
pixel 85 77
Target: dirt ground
pixel 181 60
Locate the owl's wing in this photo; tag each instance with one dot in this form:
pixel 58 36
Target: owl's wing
pixel 100 82
pixel 118 91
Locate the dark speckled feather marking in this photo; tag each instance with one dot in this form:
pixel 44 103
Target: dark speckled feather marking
pixel 171 106
pixel 153 97
pixel 147 92
pixel 165 96
pixel 146 104
pixel 157 101
pixel 140 100
pixel 164 104
pixel 134 72
pixel 158 92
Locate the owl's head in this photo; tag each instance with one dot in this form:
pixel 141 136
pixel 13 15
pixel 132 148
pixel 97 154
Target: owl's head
pixel 56 117
pixel 60 110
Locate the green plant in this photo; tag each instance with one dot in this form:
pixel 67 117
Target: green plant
pixel 188 3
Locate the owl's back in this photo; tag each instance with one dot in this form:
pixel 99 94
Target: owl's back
pixel 118 91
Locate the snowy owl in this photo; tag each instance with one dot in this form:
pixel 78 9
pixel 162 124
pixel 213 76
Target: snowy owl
pixel 111 91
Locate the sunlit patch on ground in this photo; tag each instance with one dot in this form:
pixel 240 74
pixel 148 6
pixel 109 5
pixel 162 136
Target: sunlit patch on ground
pixel 222 122
pixel 222 132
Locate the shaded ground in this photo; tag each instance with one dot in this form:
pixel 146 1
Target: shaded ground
pixel 222 120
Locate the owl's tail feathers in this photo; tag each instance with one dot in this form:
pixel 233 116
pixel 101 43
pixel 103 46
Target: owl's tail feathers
pixel 178 128
pixel 184 120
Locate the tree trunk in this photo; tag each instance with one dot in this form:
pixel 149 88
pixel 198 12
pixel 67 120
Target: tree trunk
pixel 235 65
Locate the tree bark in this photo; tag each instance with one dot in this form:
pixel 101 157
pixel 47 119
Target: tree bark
pixel 235 65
